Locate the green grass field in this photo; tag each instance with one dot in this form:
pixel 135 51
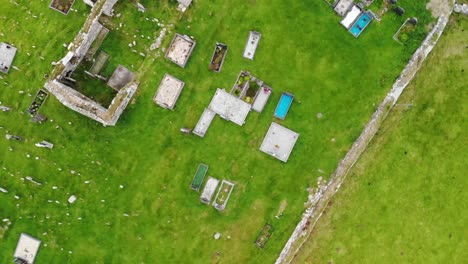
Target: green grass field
pixel 303 50
pixel 405 200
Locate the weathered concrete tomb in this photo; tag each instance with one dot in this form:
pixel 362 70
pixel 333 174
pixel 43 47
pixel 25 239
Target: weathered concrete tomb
pixel 225 105
pixel 252 44
pixel 121 77
pixel 168 91
pixel 60 82
pixel 26 249
pixel 342 6
pixel 7 54
pixel 279 142
pixel 180 49
pixel 204 122
pixel 222 197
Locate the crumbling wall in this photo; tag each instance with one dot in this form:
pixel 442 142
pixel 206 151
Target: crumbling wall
pixel 87 107
pixel 77 54
pixel 76 101
pixel 120 102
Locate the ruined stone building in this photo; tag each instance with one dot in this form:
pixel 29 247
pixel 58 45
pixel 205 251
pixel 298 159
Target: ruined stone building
pixel 59 81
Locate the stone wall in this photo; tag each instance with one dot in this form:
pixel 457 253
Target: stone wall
pixel 87 107
pixel 319 200
pixel 120 102
pixel 77 53
pixel 76 101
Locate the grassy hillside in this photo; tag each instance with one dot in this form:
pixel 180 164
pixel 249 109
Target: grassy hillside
pixel 405 201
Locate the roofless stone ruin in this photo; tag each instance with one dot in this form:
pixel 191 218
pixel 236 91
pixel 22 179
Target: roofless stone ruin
pixel 60 83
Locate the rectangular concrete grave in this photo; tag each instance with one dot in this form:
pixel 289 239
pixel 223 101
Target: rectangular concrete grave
pixel 27 248
pixel 168 91
pixel 252 44
pixel 198 177
pixel 120 78
pixel 204 122
pixel 222 197
pixel 180 49
pixel 7 55
pixel 279 142
pixel 351 17
pixel 219 54
pixel 240 86
pixel 229 107
pixel 38 100
pixel 209 190
pixel 262 98
pixel 246 87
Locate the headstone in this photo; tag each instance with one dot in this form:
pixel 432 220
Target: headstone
pixel 44 144
pixel 141 8
pixel 72 199
pixel 185 130
pixel 413 21
pixel 217 235
pixel 399 10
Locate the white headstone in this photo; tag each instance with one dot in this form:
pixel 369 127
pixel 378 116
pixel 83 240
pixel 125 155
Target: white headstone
pixel 72 199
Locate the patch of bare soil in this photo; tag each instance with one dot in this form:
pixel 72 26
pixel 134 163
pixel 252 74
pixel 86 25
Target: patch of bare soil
pixel 439 7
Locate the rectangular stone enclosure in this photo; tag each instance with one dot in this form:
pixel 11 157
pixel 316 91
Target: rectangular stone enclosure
pixel 168 91
pixel 222 197
pixel 180 49
pixel 279 142
pixel 7 54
